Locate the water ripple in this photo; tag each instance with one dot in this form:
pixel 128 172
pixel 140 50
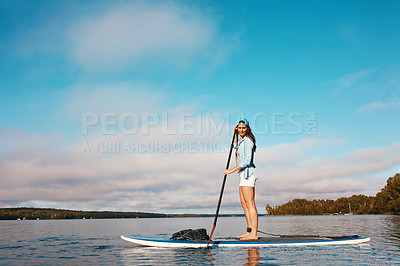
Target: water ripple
pixel 97 242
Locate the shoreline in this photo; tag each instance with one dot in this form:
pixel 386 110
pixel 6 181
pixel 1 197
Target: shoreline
pixel 24 213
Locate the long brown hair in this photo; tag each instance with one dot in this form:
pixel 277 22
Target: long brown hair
pixel 249 134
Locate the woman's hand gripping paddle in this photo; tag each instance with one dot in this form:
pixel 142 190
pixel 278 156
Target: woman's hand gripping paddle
pixel 222 190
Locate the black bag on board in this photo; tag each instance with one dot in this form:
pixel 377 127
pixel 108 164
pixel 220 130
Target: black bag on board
pixel 191 234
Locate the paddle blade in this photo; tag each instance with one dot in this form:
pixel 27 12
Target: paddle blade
pixel 212 231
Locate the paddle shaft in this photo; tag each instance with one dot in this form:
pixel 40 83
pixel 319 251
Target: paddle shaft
pixel 222 189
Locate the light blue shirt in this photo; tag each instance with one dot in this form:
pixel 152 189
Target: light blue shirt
pixel 245 148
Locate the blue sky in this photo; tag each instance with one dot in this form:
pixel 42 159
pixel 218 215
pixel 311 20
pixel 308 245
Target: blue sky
pixel 108 101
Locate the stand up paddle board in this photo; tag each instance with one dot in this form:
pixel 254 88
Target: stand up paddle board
pixel 261 242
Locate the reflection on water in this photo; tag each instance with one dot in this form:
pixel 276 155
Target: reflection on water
pixel 253 256
pixel 200 256
pixel 213 256
pixel 98 241
pixel 168 256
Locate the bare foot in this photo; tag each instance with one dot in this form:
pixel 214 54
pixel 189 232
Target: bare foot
pixel 244 235
pixel 250 237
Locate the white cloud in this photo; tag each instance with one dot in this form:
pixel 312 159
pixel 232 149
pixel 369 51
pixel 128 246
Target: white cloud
pixel 373 89
pixel 323 177
pixel 128 112
pixel 70 175
pixel 388 104
pixel 121 37
pixel 158 181
pixel 117 97
pixel 352 78
pixel 138 33
pixel 353 81
pixel 43 170
pixel 376 81
pixel 289 153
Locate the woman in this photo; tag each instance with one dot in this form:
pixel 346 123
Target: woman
pixel 247 175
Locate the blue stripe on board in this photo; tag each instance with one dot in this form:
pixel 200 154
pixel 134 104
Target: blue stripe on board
pixel 167 240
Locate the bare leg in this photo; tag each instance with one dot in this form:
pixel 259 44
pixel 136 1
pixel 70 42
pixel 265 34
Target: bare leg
pixel 248 196
pixel 246 211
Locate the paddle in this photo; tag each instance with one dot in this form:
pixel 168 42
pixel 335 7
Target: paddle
pixel 222 190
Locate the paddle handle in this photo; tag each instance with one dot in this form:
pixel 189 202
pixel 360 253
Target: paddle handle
pixel 222 189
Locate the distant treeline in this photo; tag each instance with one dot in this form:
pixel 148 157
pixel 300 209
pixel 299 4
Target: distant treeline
pixel 35 213
pixel 387 201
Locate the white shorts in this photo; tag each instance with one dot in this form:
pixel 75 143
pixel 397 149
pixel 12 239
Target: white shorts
pixel 249 182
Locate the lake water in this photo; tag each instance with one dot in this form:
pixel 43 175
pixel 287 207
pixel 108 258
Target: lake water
pixel 88 241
